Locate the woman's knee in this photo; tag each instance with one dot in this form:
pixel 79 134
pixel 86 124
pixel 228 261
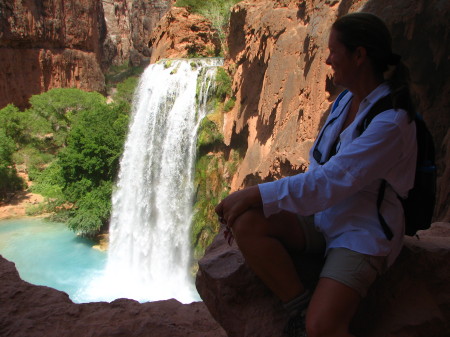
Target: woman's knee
pixel 250 223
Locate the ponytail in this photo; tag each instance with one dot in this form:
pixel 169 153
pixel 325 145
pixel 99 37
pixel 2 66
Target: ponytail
pixel 398 80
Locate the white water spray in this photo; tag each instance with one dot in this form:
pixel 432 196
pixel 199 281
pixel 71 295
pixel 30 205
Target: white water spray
pixel 150 253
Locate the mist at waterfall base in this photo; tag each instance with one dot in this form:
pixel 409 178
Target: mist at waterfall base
pixel 149 255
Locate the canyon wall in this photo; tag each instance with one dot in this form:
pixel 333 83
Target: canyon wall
pixel 129 25
pixel 283 88
pixel 43 45
pixel 70 43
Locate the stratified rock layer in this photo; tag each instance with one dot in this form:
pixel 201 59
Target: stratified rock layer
pixel 43 45
pixel 412 299
pixel 29 310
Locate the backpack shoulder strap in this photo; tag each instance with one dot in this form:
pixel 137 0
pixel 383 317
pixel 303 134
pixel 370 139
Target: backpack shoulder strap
pixel 383 104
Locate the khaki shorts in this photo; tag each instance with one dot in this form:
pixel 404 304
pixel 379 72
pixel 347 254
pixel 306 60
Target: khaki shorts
pixel 356 270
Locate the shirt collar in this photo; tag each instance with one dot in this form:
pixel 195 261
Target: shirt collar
pixel 379 92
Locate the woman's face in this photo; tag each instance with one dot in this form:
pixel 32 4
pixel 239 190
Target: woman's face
pixel 341 61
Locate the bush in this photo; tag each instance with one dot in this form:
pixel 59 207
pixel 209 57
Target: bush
pixel 229 104
pixel 70 142
pixel 125 90
pixel 223 84
pixel 49 182
pixel 208 136
pixel 10 182
pixel 92 210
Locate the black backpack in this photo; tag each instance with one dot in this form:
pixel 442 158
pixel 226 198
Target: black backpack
pixel 419 205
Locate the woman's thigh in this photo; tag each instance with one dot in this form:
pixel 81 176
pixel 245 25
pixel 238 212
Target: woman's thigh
pixel 283 226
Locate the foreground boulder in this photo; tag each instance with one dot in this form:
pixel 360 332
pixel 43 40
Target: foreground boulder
pixel 412 299
pixel 29 310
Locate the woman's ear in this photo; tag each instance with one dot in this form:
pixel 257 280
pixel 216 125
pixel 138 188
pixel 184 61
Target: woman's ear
pixel 360 54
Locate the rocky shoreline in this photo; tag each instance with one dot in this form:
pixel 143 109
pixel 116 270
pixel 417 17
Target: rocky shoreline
pixel 30 310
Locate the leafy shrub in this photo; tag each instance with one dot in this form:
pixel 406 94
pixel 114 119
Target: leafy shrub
pixel 50 182
pixel 9 180
pixel 92 210
pixel 229 104
pixel 208 136
pixel 125 90
pixel 213 172
pixel 223 84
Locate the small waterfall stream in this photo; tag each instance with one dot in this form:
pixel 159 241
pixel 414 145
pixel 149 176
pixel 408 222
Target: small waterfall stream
pixel 150 253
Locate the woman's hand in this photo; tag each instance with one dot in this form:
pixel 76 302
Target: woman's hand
pixel 230 208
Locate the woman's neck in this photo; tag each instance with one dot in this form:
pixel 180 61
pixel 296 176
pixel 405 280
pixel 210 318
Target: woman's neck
pixel 364 87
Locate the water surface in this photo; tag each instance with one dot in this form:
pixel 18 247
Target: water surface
pixel 49 254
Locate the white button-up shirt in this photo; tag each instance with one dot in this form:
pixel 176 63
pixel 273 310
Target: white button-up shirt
pixel 342 193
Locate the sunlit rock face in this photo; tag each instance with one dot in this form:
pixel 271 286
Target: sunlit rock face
pixel 49 44
pixel 181 33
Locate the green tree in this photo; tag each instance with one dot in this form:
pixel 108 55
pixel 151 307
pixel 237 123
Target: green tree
pixel 58 107
pixel 89 163
pixel 9 181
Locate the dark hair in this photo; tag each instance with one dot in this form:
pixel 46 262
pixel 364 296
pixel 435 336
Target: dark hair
pixel 370 32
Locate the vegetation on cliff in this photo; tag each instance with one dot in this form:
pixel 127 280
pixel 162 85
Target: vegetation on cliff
pixel 215 166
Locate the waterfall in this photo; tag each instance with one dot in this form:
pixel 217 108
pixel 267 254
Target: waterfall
pixel 150 253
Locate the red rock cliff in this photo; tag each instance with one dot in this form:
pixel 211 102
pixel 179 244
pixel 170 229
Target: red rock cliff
pixel 129 25
pixel 47 44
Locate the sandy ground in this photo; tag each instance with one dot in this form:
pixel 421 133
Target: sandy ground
pixel 17 205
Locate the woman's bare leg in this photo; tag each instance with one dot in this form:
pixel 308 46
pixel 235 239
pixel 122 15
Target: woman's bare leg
pixel 265 242
pixel 331 309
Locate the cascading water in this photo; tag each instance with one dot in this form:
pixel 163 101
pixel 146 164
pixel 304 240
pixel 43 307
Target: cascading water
pixel 149 253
